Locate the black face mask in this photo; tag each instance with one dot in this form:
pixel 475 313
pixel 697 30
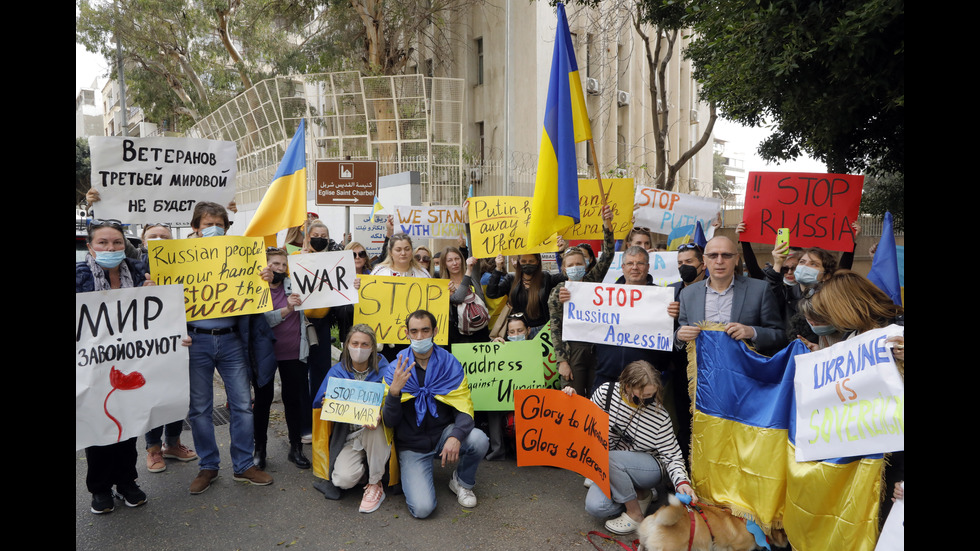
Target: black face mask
pixel 529 269
pixel 688 273
pixel 645 401
pixel 278 277
pixel 319 243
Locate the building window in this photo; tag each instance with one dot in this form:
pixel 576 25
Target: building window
pixel 479 61
pixel 479 128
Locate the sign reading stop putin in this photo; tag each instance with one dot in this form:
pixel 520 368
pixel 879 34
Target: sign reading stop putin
pixel 346 183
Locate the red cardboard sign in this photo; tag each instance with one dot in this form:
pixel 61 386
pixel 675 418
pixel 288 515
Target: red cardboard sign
pixel 818 209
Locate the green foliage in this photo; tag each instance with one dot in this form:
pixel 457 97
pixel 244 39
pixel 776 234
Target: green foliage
pixel 830 76
pixel 83 169
pixel 885 192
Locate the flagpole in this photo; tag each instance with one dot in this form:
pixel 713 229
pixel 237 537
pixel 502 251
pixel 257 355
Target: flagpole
pixel 598 175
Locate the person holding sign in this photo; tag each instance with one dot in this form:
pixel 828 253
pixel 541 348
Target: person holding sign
pixel 292 350
pixel 106 267
pixel 462 285
pixel 318 238
pixel 642 447
pixel 530 294
pixel 345 448
pixel 400 260
pixel 430 411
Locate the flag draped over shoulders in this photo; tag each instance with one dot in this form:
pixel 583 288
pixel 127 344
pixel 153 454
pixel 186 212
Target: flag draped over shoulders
pixel 742 453
pixel 555 205
pixel 284 203
pixel 444 381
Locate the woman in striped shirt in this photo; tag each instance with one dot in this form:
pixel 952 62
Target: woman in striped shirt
pixel 642 448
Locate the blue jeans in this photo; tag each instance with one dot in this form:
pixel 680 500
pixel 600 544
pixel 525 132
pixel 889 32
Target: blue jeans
pixel 173 430
pixel 416 470
pixel 227 354
pixel 627 471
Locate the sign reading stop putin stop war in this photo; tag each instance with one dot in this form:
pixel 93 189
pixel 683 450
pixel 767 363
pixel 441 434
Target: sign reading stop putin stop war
pixel 159 180
pixel 818 209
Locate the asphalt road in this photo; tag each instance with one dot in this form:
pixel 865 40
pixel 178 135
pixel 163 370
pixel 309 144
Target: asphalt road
pixel 519 508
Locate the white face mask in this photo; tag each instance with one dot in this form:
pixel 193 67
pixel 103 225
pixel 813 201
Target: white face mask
pixel 359 355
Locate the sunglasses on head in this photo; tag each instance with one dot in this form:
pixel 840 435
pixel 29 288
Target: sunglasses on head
pixel 107 223
pixel 688 246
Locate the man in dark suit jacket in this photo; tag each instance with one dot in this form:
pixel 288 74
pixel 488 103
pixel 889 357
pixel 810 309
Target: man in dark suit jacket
pixel 747 307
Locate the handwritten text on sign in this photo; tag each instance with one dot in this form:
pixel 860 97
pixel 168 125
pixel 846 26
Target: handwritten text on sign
pixel 665 211
pixel 220 275
pixel 850 399
pixel 498 225
pixel 130 367
pixel 430 222
pixel 619 195
pixel 818 209
pixel 385 302
pixel 154 180
pixel 352 401
pixel 620 315
pixel 569 432
pixel 663 268
pixel 323 279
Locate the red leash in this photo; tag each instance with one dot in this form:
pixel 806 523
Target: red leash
pixel 690 513
pixel 636 542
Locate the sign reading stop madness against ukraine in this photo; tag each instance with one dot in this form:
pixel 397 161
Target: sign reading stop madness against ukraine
pixel 620 315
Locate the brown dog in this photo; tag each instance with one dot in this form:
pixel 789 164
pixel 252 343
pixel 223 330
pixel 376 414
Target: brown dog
pixel 669 529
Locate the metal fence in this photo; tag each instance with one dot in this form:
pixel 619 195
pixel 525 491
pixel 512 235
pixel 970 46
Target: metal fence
pixel 406 122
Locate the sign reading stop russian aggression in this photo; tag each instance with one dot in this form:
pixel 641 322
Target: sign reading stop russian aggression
pixel 159 180
pixel 619 315
pixel 818 209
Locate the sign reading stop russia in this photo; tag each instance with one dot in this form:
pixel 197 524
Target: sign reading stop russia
pixel 350 183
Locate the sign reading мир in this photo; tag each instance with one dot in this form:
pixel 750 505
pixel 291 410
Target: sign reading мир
pixel 351 183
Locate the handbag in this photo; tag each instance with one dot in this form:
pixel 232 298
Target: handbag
pixel 473 314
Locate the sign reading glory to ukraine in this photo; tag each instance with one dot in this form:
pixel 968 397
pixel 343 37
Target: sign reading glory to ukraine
pixel 220 275
pixel 620 315
pixel 159 180
pixel 323 279
pixel 850 399
pixel 352 401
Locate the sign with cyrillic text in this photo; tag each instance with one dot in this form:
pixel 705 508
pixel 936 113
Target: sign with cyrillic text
pixel 619 315
pixel 818 209
pixel 498 225
pixel 323 279
pixel 386 301
pixel 130 366
pixel 352 401
pixel 850 399
pixel 430 222
pixel 159 180
pixel 220 275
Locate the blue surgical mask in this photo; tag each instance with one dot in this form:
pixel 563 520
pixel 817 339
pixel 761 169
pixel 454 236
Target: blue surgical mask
pixel 515 338
pixel 109 259
pixel 822 330
pixel 212 231
pixel 421 346
pixel 575 273
pixel 807 275
pixel 790 283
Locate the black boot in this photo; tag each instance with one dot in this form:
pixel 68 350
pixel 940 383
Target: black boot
pixel 259 456
pixel 296 456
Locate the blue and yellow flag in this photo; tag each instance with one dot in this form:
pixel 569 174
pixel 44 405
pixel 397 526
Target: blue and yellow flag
pixel 566 122
pixel 284 203
pixel 377 208
pixel 743 456
pixel 884 266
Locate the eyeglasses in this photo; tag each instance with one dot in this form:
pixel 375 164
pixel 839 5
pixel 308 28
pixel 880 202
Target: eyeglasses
pixel 787 269
pixel 95 223
pixel 631 265
pixel 361 254
pixel 421 258
pixel 714 256
pixel 688 246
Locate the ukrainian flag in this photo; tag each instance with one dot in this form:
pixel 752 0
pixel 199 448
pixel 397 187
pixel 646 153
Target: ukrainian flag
pixel 284 203
pixel 566 122
pixel 743 455
pixel 884 266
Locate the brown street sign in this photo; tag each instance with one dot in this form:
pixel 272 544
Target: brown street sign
pixel 350 183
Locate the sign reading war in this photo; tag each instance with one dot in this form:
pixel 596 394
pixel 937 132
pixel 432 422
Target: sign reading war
pixel 323 279
pixel 569 432
pixel 159 180
pixel 818 209
pixel 220 275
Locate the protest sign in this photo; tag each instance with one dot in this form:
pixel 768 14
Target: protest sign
pixel 494 370
pixel 386 301
pixel 435 222
pixel 130 366
pixel 892 536
pixel 352 401
pixel 673 214
pixel 220 274
pixel 159 180
pixel 498 225
pixel 663 268
pixel 619 196
pixel 850 399
pixel 818 209
pixel 568 432
pixel 369 233
pixel 620 315
pixel 323 279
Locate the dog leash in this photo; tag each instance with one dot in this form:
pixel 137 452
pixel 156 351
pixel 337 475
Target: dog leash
pixel 690 513
pixel 588 536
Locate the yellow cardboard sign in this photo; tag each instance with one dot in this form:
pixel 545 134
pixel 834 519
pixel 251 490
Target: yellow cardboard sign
pixel 498 225
pixel 220 275
pixel 619 195
pixel 386 301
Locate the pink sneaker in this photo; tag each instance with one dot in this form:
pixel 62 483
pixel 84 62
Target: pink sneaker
pixel 179 452
pixel 154 460
pixel 374 495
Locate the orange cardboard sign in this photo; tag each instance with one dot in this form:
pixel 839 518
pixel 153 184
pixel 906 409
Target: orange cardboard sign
pixel 568 432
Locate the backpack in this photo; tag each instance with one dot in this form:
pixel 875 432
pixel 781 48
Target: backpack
pixel 473 314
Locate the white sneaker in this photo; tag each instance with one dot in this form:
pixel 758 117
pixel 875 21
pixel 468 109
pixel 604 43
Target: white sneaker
pixel 307 438
pixel 588 483
pixel 465 496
